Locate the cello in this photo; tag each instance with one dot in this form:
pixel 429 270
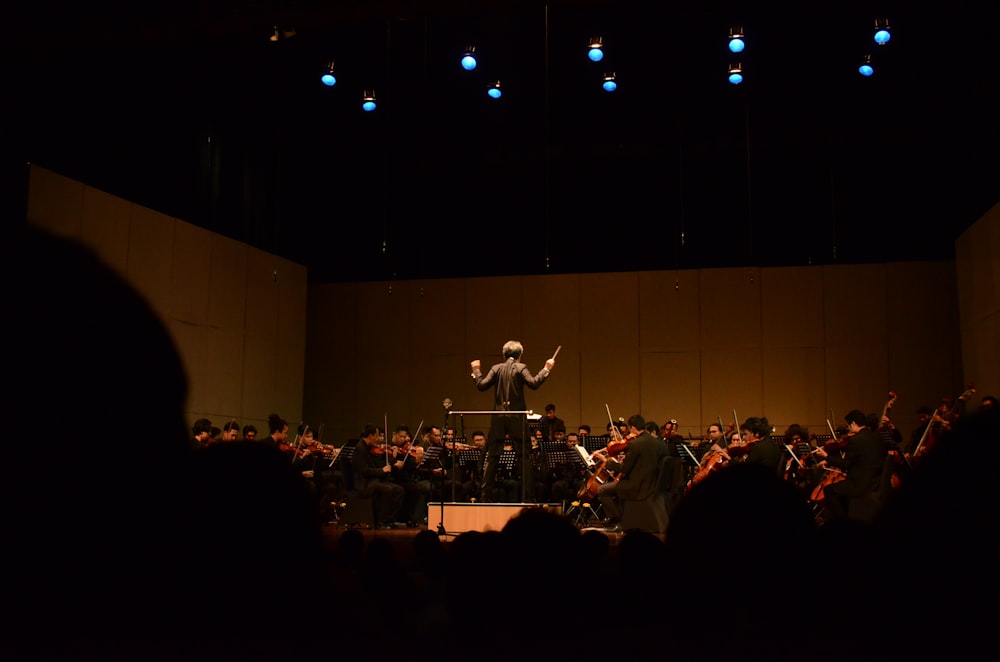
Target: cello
pixel 601 474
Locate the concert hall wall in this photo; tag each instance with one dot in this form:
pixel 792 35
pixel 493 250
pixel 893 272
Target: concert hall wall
pixel 236 314
pixel 790 343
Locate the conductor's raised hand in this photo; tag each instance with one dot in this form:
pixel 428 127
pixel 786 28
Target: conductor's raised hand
pixel 551 363
pixel 475 365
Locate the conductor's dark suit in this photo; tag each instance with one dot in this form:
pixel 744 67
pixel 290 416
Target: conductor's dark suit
pixel 508 380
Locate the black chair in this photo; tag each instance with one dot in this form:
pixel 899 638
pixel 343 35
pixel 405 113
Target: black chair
pixel 359 511
pixel 653 514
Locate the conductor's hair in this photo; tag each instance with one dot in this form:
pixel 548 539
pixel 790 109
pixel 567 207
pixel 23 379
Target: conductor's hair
pixel 512 349
pixel 637 421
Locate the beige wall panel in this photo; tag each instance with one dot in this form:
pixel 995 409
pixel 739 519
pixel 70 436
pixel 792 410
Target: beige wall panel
pixel 260 365
pixel 552 319
pixel 292 297
pixel 262 294
pixel 731 379
pixel 436 325
pixel 376 392
pixel 288 379
pixel 922 312
pixel 375 315
pixel 730 308
pixel 854 305
pixel 982 360
pixel 609 315
pixel 493 316
pixel 669 389
pixel 669 310
pixel 609 343
pixel 606 383
pixel 223 367
pixel 792 307
pixel 193 349
pixel 856 379
pixel 150 257
pixel 979 268
pixel 794 388
pixel 55 203
pixel 105 227
pixel 190 269
pixel 227 284
pixel 332 362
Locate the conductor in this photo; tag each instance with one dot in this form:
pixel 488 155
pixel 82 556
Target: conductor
pixel 508 380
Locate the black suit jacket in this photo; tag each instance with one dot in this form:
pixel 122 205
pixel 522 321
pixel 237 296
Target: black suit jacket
pixel 641 468
pixel 508 380
pixel 864 457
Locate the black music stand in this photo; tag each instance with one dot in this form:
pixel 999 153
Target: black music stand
pixel 454 457
pixel 508 460
pixel 595 442
pixel 470 457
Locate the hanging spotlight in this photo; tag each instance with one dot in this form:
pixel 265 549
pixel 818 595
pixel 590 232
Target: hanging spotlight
pixel 469 59
pixel 329 78
pixel 368 101
pixel 494 91
pixel 866 68
pixel 882 35
pixel 736 73
pixel 596 50
pixel 610 82
pixel 736 44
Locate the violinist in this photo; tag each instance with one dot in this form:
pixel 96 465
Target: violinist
pixel 373 477
pixel 672 436
pixel 862 461
pixel 201 433
pixel 249 432
pixel 230 431
pixel 760 447
pixel 278 435
pixel 637 474
pixel 416 487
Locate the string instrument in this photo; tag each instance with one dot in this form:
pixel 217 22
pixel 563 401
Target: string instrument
pixel 942 417
pixel 832 476
pixel 601 474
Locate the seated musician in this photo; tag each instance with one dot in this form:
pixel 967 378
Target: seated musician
pixel 372 473
pixel 569 477
pixel 760 446
pixel 416 486
pixel 636 476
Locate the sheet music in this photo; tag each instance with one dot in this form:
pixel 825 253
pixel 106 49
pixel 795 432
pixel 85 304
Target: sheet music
pixel 587 459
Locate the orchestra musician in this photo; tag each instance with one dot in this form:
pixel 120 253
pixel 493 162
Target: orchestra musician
pixel 636 476
pixel 372 472
pixel 760 446
pixel 862 460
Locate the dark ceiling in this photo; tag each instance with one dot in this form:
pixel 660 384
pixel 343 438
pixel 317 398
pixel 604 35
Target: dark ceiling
pixel 188 108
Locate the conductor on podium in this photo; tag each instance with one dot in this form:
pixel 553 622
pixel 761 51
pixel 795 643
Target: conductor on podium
pixel 508 380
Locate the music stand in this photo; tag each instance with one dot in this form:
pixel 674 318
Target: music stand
pixel 595 442
pixel 470 457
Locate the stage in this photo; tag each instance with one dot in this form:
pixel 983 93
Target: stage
pixel 458 517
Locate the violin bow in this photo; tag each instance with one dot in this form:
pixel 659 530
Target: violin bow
pixel 614 426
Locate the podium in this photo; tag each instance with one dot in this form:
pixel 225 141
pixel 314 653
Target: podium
pixel 459 517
